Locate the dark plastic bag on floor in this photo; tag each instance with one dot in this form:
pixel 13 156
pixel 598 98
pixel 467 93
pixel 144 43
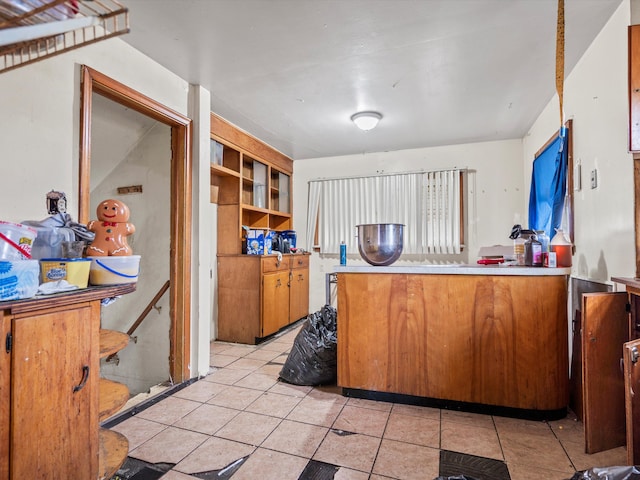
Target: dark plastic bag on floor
pixel 313 356
pixel 608 473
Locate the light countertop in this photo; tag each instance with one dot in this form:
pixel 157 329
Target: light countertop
pixel 457 269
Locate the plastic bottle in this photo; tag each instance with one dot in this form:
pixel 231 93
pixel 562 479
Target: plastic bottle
pixel 343 253
pixel 543 239
pixel 518 250
pixel 533 252
pixel 562 247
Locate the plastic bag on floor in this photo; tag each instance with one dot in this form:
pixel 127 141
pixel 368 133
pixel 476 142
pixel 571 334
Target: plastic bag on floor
pixel 313 356
pixel 608 473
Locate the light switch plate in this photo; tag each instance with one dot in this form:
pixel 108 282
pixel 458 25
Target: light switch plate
pixel 594 178
pixel 577 177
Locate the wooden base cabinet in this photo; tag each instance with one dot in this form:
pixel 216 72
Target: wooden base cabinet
pixel 49 377
pixel 258 295
pixel 481 339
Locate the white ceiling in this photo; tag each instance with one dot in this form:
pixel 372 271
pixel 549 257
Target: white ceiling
pixel 442 72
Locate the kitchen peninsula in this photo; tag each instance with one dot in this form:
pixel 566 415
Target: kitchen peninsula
pixel 486 338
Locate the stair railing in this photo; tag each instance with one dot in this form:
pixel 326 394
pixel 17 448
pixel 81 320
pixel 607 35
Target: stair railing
pixel 144 313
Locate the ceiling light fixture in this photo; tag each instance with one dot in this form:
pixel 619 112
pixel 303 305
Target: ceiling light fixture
pixel 366 120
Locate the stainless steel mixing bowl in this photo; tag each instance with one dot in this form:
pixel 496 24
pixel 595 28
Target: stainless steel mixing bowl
pixel 380 244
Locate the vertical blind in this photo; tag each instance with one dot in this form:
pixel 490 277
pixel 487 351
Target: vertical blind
pixel 428 204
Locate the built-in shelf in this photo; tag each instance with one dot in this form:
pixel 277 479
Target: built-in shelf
pixel 113 396
pixel 250 183
pixel 112 341
pixel 114 448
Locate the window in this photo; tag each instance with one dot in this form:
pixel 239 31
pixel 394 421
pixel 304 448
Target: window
pixel 428 204
pixel 551 199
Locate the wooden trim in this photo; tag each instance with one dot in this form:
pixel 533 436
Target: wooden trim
pixel 570 182
pixel 225 131
pixel 636 209
pixel 84 187
pixel 462 210
pixel 633 93
pixel 181 204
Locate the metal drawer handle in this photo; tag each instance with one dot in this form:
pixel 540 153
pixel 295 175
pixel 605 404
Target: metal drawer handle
pixel 83 382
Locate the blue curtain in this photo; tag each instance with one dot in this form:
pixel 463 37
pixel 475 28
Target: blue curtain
pixel 548 187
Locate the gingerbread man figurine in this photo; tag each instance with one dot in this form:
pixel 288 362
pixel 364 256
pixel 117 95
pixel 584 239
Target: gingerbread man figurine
pixel 111 230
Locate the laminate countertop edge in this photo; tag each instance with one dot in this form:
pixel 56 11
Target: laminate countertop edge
pixel 458 269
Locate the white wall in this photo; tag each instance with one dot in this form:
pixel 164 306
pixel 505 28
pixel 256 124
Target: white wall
pixel 143 364
pixel 40 108
pixel 495 192
pixel 595 97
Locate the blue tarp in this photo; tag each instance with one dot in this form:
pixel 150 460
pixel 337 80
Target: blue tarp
pixel 548 187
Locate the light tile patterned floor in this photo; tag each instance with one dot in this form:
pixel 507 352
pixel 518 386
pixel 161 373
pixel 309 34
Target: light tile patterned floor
pixel 242 410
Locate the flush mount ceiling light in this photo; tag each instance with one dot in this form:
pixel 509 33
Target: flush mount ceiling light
pixel 366 120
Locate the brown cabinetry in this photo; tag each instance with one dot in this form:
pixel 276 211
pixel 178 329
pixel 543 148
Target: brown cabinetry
pixel 260 294
pixel 49 387
pixel 495 340
pixel 299 287
pixel 615 419
pixel 251 184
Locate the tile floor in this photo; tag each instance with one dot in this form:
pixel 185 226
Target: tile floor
pixel 241 422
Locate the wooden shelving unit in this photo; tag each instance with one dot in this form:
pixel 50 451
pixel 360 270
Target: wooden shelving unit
pixel 114 447
pixel 251 183
pixel 51 396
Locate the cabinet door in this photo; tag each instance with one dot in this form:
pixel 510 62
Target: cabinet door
pixel 605 328
pixel 54 393
pixel 5 377
pixel 279 191
pixel 299 294
pixel 275 302
pixel 632 401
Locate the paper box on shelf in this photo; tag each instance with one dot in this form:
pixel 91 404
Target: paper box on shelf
pixel 255 242
pixel 259 242
pixel 73 270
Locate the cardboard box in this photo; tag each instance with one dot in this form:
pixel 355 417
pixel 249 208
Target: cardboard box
pixel 259 242
pixel 73 270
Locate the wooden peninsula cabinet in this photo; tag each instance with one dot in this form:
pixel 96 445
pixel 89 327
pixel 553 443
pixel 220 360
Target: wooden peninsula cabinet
pixel 259 294
pixel 50 404
pixel 470 337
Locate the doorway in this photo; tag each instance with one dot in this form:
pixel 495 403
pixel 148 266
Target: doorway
pixel 180 195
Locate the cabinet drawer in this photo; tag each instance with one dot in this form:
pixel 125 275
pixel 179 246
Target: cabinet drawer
pixel 299 261
pixel 271 264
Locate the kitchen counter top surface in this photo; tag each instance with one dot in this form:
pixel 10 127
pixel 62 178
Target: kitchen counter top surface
pixel 454 269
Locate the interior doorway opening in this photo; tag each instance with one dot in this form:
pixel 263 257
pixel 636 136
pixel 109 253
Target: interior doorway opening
pixel 180 194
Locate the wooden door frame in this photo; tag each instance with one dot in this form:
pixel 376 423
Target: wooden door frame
pixel 181 194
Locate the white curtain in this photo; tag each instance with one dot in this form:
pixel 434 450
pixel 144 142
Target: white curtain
pixel 312 212
pixel 442 211
pixel 428 207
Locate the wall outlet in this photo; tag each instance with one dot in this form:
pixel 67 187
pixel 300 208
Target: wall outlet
pixel 594 178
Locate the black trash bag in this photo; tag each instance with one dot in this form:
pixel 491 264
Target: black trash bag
pixel 313 356
pixel 608 473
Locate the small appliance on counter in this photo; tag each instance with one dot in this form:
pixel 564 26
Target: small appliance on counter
pixel 291 236
pixel 284 241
